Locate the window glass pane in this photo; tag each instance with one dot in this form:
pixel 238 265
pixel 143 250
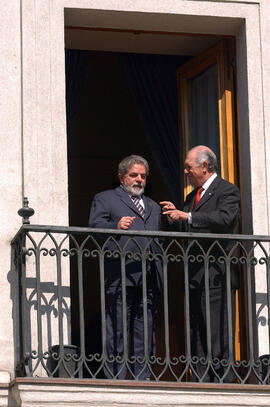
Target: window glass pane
pixel 203 107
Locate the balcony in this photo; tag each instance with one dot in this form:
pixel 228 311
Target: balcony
pixel 56 343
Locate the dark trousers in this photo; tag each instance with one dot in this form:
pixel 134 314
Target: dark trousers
pixel 132 359
pixel 208 368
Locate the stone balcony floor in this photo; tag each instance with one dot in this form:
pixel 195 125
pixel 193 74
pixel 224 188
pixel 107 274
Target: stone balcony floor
pixel 31 392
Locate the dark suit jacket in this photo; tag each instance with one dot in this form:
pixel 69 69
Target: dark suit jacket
pixel 218 211
pixel 107 209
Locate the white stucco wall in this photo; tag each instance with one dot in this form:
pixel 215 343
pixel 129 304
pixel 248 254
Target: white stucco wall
pixel 43 107
pixel 32 102
pixel 10 164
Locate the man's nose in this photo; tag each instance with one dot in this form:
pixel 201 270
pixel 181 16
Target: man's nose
pixel 139 178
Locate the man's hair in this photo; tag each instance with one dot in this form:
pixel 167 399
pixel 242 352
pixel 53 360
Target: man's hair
pixel 127 162
pixel 210 157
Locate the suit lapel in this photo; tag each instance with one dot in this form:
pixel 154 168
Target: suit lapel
pixel 148 206
pixel 123 195
pixel 192 199
pixel 208 193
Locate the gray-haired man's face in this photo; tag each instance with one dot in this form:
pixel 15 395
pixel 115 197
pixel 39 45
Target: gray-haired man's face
pixel 196 173
pixel 134 180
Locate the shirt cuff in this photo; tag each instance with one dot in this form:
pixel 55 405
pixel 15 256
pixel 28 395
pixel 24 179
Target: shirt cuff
pixel 189 218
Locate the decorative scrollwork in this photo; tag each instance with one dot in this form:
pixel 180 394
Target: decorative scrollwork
pixel 263 260
pixel 28 252
pixel 86 253
pixel 234 260
pixel 44 251
pixel 95 253
pixel 44 299
pixel 192 258
pixel 200 258
pixel 245 363
pixel 53 252
pixel 174 258
pixel 33 354
pixel 65 252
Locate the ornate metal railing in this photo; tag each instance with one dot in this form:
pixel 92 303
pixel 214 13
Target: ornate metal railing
pixel 60 303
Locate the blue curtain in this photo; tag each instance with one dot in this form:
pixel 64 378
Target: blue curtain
pixel 153 83
pixel 76 65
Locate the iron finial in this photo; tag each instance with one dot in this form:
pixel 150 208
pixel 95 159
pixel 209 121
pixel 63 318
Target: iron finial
pixel 25 212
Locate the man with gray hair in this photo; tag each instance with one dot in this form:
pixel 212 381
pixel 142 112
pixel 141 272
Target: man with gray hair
pixel 212 207
pixel 127 208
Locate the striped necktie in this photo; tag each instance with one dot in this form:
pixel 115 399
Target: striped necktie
pixel 138 206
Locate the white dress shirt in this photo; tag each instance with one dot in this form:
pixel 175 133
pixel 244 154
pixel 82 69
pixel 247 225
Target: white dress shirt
pixel 205 186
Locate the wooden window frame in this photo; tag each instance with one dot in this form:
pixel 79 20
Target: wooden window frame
pixel 221 54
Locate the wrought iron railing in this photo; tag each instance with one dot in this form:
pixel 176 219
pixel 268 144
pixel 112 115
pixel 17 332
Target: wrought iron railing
pixel 60 305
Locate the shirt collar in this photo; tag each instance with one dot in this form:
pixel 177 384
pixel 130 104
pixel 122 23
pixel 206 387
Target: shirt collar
pixel 207 183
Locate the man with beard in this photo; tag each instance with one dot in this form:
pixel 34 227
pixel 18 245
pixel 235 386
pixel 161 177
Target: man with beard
pixel 127 208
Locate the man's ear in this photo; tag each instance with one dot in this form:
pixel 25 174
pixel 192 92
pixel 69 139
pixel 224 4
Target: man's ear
pixel 121 178
pixel 205 166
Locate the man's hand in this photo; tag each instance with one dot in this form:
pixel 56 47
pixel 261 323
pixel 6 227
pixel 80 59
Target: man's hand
pixel 176 215
pixel 167 206
pixel 125 222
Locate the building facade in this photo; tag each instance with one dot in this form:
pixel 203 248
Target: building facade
pixel 34 148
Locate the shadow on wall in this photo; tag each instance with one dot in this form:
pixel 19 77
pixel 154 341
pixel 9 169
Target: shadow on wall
pixel 40 312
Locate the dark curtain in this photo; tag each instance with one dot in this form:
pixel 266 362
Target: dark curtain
pixel 153 83
pixel 76 66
